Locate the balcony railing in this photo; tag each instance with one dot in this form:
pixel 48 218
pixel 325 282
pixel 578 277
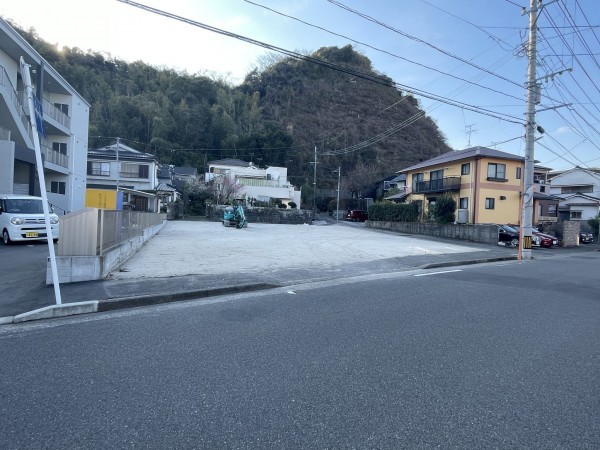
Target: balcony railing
pixel 54 157
pixel 48 109
pixel 442 185
pixel 14 98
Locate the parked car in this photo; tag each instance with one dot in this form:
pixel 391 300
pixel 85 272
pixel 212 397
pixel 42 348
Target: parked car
pixel 22 219
pixel 508 235
pixel 540 239
pixel 357 215
pixel 586 238
pixel 544 239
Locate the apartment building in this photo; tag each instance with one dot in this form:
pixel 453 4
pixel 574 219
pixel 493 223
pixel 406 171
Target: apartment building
pixel 486 184
pixel 65 121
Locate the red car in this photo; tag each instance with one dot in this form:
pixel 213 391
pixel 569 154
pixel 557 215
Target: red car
pixel 357 215
pixel 539 239
pixel 544 239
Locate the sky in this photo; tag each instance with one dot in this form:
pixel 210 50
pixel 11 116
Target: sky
pixel 469 52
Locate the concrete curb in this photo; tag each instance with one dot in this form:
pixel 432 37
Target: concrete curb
pixel 148 300
pixel 50 312
pixel 6 320
pixel 468 262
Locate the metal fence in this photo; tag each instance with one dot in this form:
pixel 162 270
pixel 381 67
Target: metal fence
pixel 93 232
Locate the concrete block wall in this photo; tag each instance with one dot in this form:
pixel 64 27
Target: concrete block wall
pixel 266 215
pixel 476 233
pixel 72 269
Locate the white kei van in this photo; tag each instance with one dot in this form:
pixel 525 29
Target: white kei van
pixel 22 219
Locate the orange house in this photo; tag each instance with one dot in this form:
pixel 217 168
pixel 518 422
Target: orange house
pixel 485 183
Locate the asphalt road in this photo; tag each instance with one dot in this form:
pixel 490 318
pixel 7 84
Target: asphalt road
pixel 495 355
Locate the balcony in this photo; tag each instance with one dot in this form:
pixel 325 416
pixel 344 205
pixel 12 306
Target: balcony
pixel 54 157
pixel 445 184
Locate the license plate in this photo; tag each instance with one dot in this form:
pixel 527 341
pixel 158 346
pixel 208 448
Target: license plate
pixel 31 234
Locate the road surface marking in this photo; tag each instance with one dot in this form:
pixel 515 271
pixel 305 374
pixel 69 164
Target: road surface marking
pixel 437 273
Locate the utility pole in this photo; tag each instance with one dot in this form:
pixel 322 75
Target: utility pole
pixel 315 186
pixel 118 168
pixel 337 208
pixel 532 88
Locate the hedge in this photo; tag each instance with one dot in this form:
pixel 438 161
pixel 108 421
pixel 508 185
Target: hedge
pixel 394 212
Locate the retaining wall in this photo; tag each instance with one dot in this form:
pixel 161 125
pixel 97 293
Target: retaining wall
pixel 85 268
pixel 476 233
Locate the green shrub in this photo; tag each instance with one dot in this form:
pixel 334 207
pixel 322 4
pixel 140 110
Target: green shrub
pixel 292 205
pixel 444 209
pixel 394 212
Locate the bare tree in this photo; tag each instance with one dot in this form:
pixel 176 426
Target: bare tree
pixel 362 176
pixel 227 188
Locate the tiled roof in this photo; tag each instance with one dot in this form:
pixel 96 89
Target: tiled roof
pixel 165 187
pixel 473 152
pixel 230 162
pixel 125 152
pixel 185 170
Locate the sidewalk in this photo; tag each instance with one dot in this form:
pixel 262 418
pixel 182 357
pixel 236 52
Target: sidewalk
pixel 189 260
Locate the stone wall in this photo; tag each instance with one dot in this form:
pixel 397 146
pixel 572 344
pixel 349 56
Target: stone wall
pixel 476 233
pixel 566 231
pixel 265 215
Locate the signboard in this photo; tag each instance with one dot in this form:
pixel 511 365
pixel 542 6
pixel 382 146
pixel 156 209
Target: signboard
pixel 101 198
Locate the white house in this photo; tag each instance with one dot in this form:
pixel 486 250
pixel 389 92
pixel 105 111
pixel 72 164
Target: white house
pixel 270 184
pixel 65 120
pixel 579 191
pixel 123 169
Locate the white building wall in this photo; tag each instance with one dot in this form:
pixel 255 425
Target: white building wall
pixel 7 153
pixel 575 178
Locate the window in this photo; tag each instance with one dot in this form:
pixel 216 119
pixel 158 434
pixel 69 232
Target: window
pixel 62 107
pixel 135 170
pixel 576 189
pixel 489 203
pixel 436 179
pixel 465 169
pixel 57 187
pixel 98 168
pixel 542 188
pixel 519 170
pixel 464 203
pixel 496 172
pixel 60 147
pixel 575 215
pixel 417 178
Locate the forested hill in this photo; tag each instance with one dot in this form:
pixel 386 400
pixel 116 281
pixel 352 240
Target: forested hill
pixel 275 117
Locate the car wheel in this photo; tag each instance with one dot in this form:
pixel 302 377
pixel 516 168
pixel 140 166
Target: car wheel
pixel 6 237
pixel 514 242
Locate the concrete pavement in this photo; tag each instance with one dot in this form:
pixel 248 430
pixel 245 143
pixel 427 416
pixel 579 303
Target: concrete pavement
pixel 190 259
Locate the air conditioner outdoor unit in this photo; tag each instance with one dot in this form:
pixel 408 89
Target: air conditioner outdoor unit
pixel 463 216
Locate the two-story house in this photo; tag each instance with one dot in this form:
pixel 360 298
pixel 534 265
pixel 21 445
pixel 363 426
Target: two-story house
pixel 131 175
pixel 270 184
pixel 486 184
pixel 579 193
pixel 65 122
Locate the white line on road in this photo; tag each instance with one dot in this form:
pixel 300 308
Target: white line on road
pixel 437 273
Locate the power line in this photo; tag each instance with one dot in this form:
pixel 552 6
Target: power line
pixel 421 41
pixel 351 71
pixel 384 51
